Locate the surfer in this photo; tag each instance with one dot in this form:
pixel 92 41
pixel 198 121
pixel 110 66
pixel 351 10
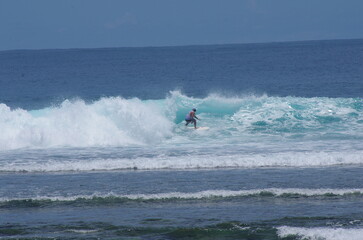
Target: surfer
pixel 190 117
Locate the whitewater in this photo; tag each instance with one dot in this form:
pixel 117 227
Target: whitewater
pixel 115 133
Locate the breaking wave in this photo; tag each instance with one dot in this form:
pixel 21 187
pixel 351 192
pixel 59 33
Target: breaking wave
pixel 116 121
pixel 112 198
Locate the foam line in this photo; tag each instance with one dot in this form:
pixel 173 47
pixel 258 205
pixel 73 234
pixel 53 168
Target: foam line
pixel 276 192
pixel 289 159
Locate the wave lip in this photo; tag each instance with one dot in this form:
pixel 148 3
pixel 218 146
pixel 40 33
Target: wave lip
pixel 321 233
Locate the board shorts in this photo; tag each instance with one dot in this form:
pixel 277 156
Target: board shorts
pixel 190 120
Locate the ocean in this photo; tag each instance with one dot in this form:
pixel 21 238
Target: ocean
pixel 93 143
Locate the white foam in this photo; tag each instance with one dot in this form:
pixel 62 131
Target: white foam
pixel 107 122
pixel 83 231
pixel 279 111
pixel 187 161
pixel 322 233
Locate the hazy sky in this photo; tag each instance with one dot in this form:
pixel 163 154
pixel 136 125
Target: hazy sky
pixel 38 24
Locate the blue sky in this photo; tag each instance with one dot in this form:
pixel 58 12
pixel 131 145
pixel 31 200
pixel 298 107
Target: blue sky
pixel 39 24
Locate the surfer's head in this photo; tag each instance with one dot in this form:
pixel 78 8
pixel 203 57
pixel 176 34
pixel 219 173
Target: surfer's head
pixel 194 110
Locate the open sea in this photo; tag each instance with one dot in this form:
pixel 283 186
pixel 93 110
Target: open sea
pixel 93 143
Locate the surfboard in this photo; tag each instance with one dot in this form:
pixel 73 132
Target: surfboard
pixel 199 128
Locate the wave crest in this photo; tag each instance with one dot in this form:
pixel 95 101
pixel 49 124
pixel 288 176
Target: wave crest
pixel 110 198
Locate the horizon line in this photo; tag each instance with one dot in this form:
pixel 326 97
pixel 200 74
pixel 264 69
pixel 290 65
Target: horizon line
pixel 177 45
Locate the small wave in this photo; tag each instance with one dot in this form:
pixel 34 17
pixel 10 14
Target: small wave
pixel 112 198
pixel 321 233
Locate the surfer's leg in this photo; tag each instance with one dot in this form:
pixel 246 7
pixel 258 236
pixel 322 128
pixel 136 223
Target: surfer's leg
pixel 187 122
pixel 195 123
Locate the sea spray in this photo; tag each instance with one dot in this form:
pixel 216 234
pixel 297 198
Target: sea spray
pixel 107 122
